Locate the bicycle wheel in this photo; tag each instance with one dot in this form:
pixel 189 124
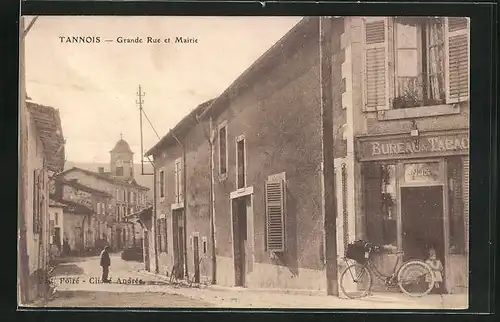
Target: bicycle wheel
pixel 415 278
pixel 355 281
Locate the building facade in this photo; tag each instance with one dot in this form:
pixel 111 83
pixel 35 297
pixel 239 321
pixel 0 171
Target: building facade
pixel 252 168
pixel 114 228
pixel 265 179
pixel 407 108
pixel 42 154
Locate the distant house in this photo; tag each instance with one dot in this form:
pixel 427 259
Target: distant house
pixel 83 214
pixel 127 196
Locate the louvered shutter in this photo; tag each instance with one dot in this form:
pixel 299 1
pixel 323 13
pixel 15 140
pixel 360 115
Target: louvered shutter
pixel 457 59
pixel 275 216
pixel 465 189
pixel 376 67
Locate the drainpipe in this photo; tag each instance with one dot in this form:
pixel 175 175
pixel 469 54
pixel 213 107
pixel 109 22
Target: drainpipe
pixel 184 188
pixel 210 138
pixel 155 244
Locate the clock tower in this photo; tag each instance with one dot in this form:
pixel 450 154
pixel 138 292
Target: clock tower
pixel 122 160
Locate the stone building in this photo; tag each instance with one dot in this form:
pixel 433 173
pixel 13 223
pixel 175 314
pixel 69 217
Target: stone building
pixel 407 109
pixel 127 196
pixel 372 112
pixel 41 155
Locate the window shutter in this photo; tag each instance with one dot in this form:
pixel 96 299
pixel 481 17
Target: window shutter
pixel 465 192
pixel 457 59
pixel 376 66
pixel 275 216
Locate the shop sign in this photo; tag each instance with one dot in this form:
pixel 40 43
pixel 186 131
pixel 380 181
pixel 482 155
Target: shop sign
pixel 408 146
pixel 422 172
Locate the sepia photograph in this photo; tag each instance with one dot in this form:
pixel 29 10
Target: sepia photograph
pixel 251 162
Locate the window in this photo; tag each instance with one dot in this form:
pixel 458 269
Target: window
pixel 119 171
pixel 124 195
pixel 223 150
pixel 161 225
pixel 162 183
pixel 178 181
pixel 240 163
pixel 56 218
pixel 275 215
pixel 380 203
pixel 117 191
pixel 413 62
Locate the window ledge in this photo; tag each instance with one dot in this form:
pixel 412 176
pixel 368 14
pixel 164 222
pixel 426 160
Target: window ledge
pixel 416 112
pixel 175 206
pixel 241 192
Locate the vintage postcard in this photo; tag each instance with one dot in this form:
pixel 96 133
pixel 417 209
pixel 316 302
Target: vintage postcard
pixel 244 162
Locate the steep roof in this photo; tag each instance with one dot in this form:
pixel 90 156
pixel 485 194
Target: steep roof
pixel 122 147
pixel 48 125
pixel 71 206
pixel 75 184
pixel 304 31
pixel 107 178
pixel 188 122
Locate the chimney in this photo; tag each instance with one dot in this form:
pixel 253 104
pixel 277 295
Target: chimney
pixel 101 170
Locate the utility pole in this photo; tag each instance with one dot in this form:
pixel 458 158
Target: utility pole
pixel 140 94
pixel 328 171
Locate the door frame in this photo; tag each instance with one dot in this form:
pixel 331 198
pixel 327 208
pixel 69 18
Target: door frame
pixel 249 249
pixel 443 182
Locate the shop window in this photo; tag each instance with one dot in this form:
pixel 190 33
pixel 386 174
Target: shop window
pixel 456 172
pixel 380 203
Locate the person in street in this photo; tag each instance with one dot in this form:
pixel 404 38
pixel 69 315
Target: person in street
pixel 437 269
pixel 105 263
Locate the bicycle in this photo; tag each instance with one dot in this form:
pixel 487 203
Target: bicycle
pixel 414 277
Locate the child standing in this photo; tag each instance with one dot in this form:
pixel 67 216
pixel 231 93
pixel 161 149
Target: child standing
pixel 437 269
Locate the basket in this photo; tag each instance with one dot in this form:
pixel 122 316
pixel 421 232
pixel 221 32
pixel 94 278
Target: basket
pixel 356 251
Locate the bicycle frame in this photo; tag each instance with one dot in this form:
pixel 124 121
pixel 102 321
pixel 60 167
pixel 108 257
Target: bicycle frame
pixel 389 280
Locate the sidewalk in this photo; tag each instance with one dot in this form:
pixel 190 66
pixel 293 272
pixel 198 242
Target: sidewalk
pixel 236 297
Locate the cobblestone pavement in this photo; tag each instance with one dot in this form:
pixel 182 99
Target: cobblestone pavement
pixel 77 287
pixel 78 284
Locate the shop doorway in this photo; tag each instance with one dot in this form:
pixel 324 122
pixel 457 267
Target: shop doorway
pixel 239 239
pixel 178 239
pixel 422 221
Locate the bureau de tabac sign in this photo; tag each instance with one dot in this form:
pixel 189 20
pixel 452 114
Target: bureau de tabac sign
pixel 406 146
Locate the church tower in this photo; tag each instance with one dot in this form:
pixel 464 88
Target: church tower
pixel 122 160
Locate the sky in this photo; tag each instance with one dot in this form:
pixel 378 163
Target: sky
pixel 94 85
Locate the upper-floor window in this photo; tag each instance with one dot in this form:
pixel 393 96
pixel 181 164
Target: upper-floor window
pixel 119 171
pixel 223 150
pixel 413 62
pixel 240 163
pixel 162 183
pixel 178 181
pixel 124 195
pixel 117 192
pixel 56 218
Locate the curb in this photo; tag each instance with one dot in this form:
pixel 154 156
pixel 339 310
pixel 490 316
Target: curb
pixel 244 289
